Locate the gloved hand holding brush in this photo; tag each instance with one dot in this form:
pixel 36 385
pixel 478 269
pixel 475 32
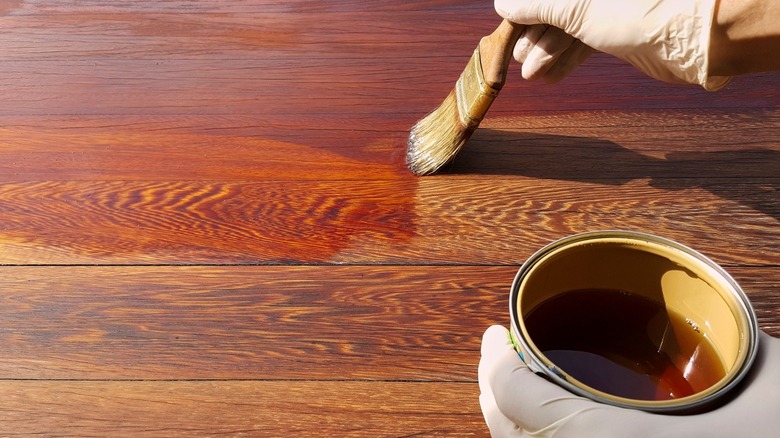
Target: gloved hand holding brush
pixel 682 41
pixel 701 42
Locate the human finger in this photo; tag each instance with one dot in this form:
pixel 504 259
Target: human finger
pixel 494 342
pixel 546 52
pixel 499 425
pixel 575 55
pixel 527 41
pixel 524 398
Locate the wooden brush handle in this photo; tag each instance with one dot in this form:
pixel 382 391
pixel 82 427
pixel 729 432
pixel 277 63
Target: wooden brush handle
pixel 496 52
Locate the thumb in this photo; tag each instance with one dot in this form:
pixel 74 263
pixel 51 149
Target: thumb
pixel 530 403
pixel 494 343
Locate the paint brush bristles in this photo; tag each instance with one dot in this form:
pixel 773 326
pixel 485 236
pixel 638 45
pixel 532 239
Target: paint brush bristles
pixel 438 137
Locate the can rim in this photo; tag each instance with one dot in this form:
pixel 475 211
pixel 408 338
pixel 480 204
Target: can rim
pixel 680 405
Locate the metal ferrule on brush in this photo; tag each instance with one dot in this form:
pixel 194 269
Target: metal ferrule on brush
pixel 473 94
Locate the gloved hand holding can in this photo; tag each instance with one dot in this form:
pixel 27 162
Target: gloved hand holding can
pixel 518 403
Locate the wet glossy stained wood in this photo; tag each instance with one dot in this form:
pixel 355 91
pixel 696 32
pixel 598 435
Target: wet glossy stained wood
pixel 204 211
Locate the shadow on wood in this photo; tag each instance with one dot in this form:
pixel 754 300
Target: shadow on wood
pixel 750 177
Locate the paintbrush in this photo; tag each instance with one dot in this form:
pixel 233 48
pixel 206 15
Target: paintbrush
pixel 437 138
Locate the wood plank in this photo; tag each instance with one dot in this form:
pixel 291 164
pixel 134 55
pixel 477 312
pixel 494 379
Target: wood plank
pixel 361 322
pixel 420 323
pixel 363 85
pixel 644 144
pixel 42 7
pixel 138 33
pixel 240 408
pixel 441 220
pixel 199 148
pixel 100 59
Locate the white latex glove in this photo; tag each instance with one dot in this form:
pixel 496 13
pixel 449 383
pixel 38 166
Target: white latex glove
pixel 518 403
pixel 666 39
pixel 549 53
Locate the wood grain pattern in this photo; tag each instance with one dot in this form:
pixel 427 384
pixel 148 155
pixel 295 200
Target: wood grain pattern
pixel 207 227
pixel 240 408
pixel 442 220
pixel 275 322
pixel 266 322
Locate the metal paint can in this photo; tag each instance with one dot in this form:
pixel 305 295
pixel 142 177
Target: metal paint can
pixel 707 301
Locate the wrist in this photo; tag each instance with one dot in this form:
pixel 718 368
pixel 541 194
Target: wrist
pixel 677 41
pixel 745 37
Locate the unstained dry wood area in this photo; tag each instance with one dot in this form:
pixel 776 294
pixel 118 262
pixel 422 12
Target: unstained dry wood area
pixel 207 227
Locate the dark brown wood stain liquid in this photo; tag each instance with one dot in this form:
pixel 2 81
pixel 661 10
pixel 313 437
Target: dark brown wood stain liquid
pixel 624 344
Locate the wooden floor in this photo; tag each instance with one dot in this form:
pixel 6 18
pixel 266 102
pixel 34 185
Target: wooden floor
pixel 207 228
